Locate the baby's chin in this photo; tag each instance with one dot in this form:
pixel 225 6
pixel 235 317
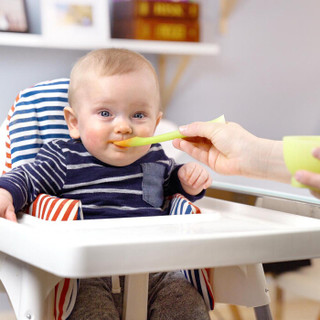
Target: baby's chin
pixel 123 159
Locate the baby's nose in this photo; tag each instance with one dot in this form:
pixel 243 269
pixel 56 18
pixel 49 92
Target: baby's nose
pixel 122 126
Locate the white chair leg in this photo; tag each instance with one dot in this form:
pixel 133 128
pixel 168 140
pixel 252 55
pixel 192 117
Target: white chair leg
pixel 241 285
pixel 29 289
pixel 135 297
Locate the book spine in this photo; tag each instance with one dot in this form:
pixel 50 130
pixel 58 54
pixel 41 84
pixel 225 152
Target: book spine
pixel 156 9
pixel 156 29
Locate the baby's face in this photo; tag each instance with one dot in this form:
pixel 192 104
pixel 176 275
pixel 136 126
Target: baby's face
pixel 117 107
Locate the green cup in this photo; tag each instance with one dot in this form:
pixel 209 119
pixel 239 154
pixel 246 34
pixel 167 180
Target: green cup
pixel 297 151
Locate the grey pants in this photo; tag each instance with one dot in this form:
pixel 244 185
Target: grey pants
pixel 171 297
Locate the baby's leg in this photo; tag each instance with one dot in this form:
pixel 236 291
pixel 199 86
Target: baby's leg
pixel 95 301
pixel 172 297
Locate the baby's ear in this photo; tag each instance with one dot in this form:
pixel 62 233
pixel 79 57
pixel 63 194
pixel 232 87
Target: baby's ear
pixel 159 118
pixel 72 122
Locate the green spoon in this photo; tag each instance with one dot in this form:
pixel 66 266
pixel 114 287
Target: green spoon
pixel 142 141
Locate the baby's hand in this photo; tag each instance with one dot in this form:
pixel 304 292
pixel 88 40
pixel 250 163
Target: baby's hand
pixel 6 206
pixel 194 178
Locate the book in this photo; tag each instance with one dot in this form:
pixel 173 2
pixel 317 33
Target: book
pixel 156 29
pixel 155 9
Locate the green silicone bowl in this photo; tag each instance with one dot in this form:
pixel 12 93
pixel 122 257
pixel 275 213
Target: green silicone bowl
pixel 297 151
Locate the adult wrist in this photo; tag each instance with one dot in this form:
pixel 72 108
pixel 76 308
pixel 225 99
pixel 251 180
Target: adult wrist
pixel 270 161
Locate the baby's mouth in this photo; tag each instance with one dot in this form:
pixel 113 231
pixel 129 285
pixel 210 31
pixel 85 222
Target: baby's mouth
pixel 115 144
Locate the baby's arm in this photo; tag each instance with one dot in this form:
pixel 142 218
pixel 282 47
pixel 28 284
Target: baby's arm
pixel 6 206
pixel 194 178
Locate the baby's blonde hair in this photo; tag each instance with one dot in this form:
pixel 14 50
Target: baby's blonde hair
pixel 107 62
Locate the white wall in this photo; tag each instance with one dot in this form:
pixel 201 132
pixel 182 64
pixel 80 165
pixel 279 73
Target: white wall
pixel 268 74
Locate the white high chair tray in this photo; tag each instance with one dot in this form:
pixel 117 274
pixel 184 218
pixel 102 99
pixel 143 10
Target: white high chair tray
pixel 225 234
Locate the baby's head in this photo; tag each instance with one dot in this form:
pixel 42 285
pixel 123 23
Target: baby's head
pixel 113 95
pixel 108 62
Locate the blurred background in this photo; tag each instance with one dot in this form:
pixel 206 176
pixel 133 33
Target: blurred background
pixel 266 76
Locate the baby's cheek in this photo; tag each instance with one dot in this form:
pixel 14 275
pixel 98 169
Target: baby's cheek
pixel 93 138
pixel 145 131
pixel 142 150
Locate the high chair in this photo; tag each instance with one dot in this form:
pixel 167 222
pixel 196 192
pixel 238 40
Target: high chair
pixel 227 236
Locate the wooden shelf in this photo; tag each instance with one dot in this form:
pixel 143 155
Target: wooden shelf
pixel 154 47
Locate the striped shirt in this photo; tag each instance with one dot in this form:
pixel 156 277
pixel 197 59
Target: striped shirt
pixel 67 170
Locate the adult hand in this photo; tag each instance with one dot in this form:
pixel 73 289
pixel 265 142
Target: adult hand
pixel 231 150
pixel 309 178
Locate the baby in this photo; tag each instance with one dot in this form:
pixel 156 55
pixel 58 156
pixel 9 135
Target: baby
pixel 113 95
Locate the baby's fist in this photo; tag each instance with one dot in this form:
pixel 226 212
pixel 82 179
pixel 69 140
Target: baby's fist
pixel 194 178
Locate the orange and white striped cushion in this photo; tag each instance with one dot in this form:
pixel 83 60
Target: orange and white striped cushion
pixel 65 298
pixel 51 208
pixel 8 165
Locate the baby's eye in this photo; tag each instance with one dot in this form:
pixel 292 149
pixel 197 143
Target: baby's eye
pixel 139 115
pixel 105 113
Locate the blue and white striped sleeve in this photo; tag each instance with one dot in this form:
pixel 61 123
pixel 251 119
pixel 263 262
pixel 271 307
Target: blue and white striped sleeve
pixel 46 174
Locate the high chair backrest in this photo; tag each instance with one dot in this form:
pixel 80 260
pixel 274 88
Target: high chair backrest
pixel 36 117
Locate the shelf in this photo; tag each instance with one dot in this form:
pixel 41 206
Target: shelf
pixel 154 47
pixel 168 47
